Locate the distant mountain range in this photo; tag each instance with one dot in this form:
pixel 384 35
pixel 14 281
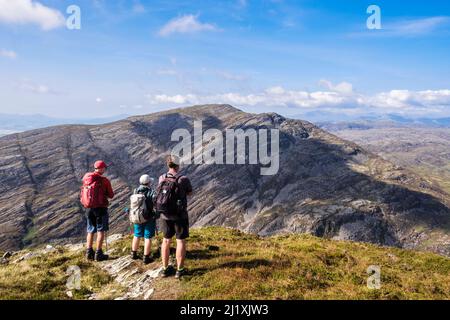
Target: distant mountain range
pixel 343 121
pixel 12 123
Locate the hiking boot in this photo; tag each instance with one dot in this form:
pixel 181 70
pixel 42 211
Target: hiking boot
pixel 100 256
pixel 167 272
pixel 147 259
pixel 179 273
pixel 134 255
pixel 90 254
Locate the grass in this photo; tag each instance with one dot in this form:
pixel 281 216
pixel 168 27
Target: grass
pixel 31 234
pixel 45 278
pixel 306 267
pixel 228 264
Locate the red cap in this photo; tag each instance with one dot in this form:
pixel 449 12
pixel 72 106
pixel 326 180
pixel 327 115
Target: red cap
pixel 100 164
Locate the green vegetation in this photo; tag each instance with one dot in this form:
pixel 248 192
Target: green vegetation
pixel 438 174
pixel 29 236
pixel 228 264
pixel 306 267
pixel 44 277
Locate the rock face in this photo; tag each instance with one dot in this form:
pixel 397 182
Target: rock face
pixel 325 186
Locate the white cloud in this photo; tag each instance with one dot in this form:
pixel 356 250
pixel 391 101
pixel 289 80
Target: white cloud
pixel 30 12
pixel 167 72
pixel 412 100
pixel 99 100
pixel 341 99
pixel 273 97
pixel 343 87
pixel 8 54
pixel 36 88
pixel 42 89
pixel 417 26
pixel 138 7
pixel 275 90
pixel 408 28
pixel 185 24
pixel 177 99
pixel 231 76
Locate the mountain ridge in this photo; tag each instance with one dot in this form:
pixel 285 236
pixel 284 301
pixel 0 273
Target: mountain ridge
pixel 326 186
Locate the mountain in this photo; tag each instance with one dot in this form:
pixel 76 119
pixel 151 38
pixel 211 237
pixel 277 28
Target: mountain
pixel 372 120
pixel 422 149
pixel 226 264
pixel 326 186
pixel 12 123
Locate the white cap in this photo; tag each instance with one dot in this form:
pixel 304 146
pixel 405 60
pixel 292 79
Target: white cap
pixel 145 179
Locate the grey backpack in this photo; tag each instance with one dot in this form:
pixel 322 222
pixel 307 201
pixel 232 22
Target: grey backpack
pixel 138 208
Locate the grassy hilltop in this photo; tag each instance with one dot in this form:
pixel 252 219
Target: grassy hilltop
pixel 229 264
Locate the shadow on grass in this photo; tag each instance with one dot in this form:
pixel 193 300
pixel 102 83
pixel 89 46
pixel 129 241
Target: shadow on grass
pixel 200 254
pixel 248 264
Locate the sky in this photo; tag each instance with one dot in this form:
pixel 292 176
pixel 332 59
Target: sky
pixel 297 58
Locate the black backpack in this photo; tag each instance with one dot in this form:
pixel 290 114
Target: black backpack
pixel 168 197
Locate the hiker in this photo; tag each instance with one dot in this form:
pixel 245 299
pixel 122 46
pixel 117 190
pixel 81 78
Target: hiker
pixel 95 192
pixel 143 217
pixel 171 204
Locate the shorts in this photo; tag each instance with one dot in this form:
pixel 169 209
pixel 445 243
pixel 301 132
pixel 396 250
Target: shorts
pixel 97 220
pixel 178 228
pixel 146 230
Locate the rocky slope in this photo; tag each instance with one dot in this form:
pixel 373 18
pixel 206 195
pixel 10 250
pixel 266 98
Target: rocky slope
pixel 425 150
pixel 325 186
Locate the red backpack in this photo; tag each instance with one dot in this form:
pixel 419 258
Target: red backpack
pixel 92 195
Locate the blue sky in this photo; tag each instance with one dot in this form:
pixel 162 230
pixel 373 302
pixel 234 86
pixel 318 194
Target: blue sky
pixel 291 57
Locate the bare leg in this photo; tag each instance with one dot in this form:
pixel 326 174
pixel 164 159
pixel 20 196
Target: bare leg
pixel 181 253
pixel 147 246
pixel 135 244
pixel 165 252
pixel 100 238
pixel 89 240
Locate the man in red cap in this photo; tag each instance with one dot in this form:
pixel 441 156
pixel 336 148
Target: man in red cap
pixel 95 192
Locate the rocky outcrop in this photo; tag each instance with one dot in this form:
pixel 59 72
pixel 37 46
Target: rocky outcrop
pixel 325 186
pixel 140 284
